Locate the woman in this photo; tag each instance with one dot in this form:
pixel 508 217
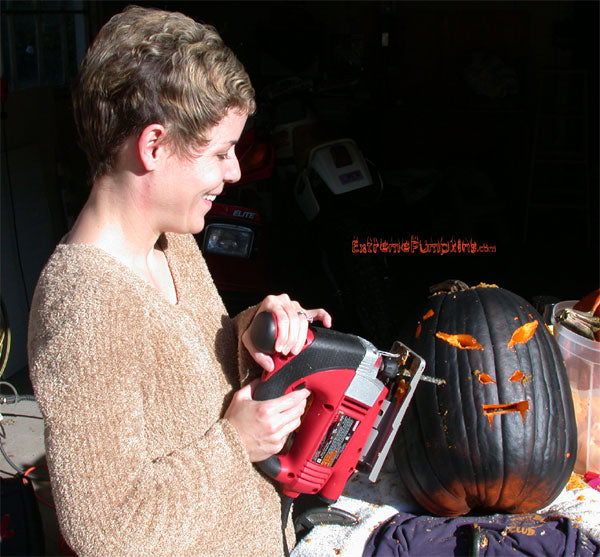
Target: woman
pixel 135 364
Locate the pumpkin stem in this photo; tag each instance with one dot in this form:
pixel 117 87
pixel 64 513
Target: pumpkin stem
pixel 450 285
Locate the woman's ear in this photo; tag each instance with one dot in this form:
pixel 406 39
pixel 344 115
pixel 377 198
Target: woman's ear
pixel 151 145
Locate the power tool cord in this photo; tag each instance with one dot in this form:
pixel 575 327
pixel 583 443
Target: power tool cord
pixel 286 507
pixel 19 471
pixel 11 199
pixel 5 337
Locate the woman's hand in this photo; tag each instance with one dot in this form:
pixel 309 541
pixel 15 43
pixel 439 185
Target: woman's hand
pixel 265 425
pixel 292 326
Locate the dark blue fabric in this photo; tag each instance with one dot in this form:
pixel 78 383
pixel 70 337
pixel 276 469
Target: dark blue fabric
pixel 536 535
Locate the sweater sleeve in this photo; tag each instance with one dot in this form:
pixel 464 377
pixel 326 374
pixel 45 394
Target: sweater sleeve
pixel 115 492
pixel 248 368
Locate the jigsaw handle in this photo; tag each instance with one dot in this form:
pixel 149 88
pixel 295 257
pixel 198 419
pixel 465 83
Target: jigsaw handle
pixel 263 332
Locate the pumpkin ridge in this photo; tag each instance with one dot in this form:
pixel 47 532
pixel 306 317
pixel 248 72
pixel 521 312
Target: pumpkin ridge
pixel 475 495
pixel 426 489
pixel 492 489
pixel 523 498
pixel 559 382
pixel 429 485
pixel 442 413
pixel 462 355
pixel 507 490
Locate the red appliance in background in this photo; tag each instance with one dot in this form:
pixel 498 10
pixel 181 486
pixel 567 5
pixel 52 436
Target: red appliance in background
pixel 234 241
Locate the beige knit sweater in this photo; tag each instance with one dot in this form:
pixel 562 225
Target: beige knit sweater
pixel 133 390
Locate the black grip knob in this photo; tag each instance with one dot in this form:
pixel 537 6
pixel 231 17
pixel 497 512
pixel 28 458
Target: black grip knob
pixel 271 466
pixel 263 332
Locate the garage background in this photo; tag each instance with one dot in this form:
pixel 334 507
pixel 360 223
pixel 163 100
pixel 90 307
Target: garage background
pixel 482 118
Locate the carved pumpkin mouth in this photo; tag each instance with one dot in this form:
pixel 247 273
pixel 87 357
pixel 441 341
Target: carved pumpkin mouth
pixel 491 410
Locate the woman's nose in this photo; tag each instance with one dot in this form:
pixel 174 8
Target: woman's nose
pixel 233 172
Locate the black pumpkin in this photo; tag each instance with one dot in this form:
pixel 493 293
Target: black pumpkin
pixel 500 435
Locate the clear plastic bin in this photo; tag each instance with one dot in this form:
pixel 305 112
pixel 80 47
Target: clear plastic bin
pixel 582 359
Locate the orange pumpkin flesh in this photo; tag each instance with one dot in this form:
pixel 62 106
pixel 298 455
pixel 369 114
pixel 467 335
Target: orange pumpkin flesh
pixel 517 376
pixel 483 377
pixel 465 342
pixel 429 314
pixel 523 333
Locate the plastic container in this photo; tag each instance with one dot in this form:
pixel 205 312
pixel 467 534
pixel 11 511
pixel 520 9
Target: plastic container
pixel 582 359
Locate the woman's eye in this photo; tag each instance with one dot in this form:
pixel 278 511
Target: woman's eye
pixel 226 155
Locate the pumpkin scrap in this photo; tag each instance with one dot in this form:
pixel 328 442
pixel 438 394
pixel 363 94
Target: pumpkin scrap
pixel 465 342
pixel 523 333
pixel 575 482
pixel 429 314
pixel 517 376
pixel 418 331
pixel 490 410
pixel 483 377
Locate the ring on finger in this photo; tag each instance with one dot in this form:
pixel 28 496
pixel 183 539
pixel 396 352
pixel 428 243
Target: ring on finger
pixel 309 318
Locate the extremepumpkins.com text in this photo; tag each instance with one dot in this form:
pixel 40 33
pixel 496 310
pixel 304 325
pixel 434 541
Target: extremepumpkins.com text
pixel 416 245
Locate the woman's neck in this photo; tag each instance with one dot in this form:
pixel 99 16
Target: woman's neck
pixel 114 220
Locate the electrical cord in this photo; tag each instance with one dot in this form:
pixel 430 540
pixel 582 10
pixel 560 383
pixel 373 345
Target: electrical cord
pixel 12 206
pixel 5 337
pixel 14 466
pixel 11 399
pixel 22 473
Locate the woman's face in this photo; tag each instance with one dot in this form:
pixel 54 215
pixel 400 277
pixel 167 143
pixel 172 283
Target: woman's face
pixel 190 183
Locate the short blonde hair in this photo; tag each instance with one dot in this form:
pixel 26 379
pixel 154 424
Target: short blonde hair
pixel 151 66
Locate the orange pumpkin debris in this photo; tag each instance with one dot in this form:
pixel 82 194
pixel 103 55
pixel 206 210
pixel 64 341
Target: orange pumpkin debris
pixel 484 378
pixel 517 375
pixel 465 342
pixel 523 333
pixel 430 313
pixel 418 331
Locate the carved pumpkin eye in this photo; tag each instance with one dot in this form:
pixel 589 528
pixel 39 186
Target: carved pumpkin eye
pixel 523 333
pixel 465 342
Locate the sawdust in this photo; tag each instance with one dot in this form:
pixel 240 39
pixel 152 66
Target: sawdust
pixel 576 481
